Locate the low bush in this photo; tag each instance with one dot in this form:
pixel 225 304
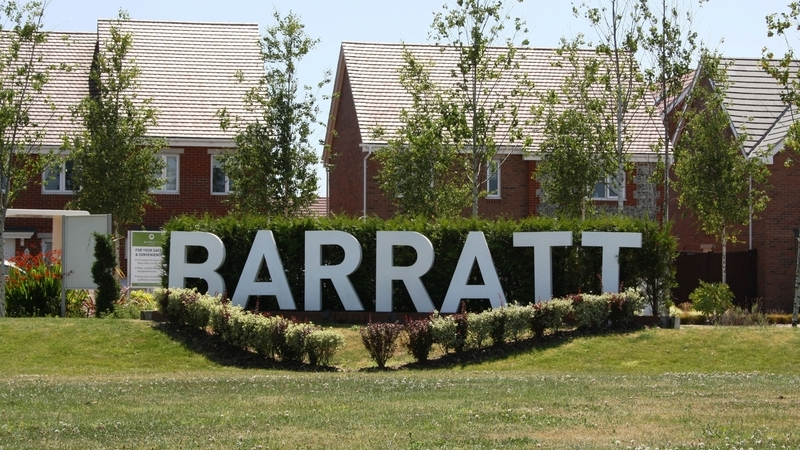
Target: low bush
pixel 33 288
pixel 293 345
pixel 271 337
pixel 131 305
pixel 497 318
pixel 737 316
pixel 80 303
pixel 322 345
pixel 589 312
pixel 479 329
pixel 380 340
pixel 712 299
pixel 622 308
pixel 518 321
pixel 443 332
pixel 419 339
pixel 549 315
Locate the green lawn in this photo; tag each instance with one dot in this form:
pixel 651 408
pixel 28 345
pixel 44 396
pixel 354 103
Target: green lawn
pixel 86 384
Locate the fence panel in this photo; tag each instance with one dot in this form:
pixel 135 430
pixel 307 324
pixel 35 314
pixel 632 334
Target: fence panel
pixel 742 269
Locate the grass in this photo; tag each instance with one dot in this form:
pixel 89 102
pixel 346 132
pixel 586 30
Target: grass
pixel 90 384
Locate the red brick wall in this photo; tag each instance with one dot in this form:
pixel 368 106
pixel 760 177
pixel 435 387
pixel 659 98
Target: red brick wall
pixel 773 237
pixel 194 197
pixel 346 174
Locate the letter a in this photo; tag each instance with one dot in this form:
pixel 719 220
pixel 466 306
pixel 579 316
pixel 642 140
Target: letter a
pixel 475 250
pixel 264 249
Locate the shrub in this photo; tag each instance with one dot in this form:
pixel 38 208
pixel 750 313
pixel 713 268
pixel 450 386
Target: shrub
pixel 443 332
pixel 623 307
pixel 498 321
pixel 103 269
pixel 132 306
pixel 293 345
pixel 549 315
pixel 419 339
pixel 590 312
pixel 480 329
pixel 518 321
pixel 272 337
pixel 737 316
pixel 380 340
pixel 34 288
pixel 322 345
pixel 712 299
pixel 80 303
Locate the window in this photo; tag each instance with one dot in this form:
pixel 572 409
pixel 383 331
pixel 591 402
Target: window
pixel 168 174
pixel 58 179
pixel 493 179
pixel 220 184
pixel 604 190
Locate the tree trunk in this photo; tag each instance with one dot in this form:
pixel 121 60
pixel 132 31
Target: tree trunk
pixel 724 253
pixel 3 268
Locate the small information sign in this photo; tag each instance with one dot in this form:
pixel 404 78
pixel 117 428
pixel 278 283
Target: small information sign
pixel 144 259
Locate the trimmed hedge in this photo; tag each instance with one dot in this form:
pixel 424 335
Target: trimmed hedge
pixel 587 313
pixel 575 269
pixel 272 337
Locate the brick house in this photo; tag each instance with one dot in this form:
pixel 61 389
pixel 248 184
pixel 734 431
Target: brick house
pixel 189 70
pixel 369 95
pixel 755 108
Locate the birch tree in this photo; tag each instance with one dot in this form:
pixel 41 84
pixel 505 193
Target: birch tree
pixel 619 25
pixel 485 113
pixel 23 76
pixel 422 169
pixel 271 171
pixel 785 68
pixel 713 176
pixel 115 163
pixel 670 45
pixel 578 146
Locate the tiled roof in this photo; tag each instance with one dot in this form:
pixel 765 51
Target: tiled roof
pixel 189 70
pixel 754 105
pixel 65 88
pixel 319 208
pixel 373 71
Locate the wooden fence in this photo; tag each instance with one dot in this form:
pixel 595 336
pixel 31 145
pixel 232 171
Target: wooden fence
pixel 742 271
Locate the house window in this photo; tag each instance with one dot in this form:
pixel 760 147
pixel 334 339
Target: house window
pixel 604 190
pixel 168 175
pixel 58 179
pixel 493 179
pixel 220 184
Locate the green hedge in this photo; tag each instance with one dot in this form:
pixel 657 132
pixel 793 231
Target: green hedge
pixel 272 337
pixel 576 269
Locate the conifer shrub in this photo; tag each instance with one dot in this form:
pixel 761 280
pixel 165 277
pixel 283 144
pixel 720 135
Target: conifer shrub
pixel 103 268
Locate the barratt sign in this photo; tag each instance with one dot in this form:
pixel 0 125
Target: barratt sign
pixel 474 252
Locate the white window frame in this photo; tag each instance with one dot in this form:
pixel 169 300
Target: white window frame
pixel 607 190
pixel 62 179
pixel 493 172
pixel 164 175
pixel 216 165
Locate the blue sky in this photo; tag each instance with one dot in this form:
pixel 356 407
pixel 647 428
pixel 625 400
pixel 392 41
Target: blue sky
pixel 735 27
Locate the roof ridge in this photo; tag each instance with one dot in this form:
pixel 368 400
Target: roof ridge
pixel 179 22
pixel 406 44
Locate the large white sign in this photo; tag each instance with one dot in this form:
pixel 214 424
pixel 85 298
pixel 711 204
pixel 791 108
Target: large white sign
pixel 474 252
